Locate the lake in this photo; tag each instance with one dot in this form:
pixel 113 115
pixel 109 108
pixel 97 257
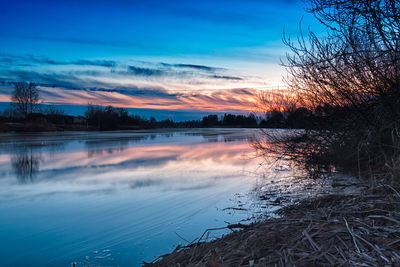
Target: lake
pixel 120 198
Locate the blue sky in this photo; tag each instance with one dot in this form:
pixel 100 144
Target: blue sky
pixel 167 55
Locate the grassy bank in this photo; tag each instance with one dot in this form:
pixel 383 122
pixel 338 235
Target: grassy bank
pixel 361 230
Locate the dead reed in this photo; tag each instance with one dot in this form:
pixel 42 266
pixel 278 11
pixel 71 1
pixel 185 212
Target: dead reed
pixel 338 230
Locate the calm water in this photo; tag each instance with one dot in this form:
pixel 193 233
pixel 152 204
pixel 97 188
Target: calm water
pixel 119 198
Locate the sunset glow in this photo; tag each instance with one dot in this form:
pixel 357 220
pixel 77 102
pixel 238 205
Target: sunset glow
pixel 214 56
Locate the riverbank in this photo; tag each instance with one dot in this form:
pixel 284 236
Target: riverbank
pixel 335 230
pixel 22 127
pixel 50 127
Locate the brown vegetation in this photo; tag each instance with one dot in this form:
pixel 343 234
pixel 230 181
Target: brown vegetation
pixel 335 230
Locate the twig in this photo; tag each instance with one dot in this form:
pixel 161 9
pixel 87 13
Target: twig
pixel 313 244
pixel 384 217
pixel 394 190
pixel 210 229
pixel 182 238
pixel 372 246
pixel 352 235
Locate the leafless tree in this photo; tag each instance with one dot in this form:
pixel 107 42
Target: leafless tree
pixel 25 98
pixel 353 66
pixel 282 100
pixel 357 61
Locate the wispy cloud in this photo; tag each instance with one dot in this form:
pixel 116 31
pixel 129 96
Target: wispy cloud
pixel 192 66
pixel 137 84
pixel 226 77
pixel 112 73
pixel 145 71
pixel 29 59
pixel 225 100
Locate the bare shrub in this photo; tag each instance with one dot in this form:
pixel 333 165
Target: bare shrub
pixel 350 79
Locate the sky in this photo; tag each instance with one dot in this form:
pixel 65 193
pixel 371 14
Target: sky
pixel 154 57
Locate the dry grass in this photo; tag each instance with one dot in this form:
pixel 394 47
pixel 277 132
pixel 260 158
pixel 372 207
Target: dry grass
pixel 338 230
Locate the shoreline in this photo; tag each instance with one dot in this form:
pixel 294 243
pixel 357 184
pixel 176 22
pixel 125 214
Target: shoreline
pixel 330 230
pixel 39 128
pixel 20 127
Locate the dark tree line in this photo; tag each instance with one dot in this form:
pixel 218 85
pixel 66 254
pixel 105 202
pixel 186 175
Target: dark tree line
pixel 230 120
pixel 108 118
pixel 105 118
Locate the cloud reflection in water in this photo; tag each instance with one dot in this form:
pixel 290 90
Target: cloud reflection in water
pixel 167 160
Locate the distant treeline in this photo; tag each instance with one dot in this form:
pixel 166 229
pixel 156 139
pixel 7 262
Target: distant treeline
pixel 111 118
pixel 105 118
pixel 26 113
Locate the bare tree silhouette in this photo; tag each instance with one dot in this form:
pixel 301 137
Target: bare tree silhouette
pixel 25 98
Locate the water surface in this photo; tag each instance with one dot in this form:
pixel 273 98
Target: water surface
pixel 118 198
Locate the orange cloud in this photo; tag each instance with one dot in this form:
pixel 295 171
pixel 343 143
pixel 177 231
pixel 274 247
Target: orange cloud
pixel 205 100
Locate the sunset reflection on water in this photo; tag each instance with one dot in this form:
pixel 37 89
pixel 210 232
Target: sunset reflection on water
pixel 127 193
pixel 118 198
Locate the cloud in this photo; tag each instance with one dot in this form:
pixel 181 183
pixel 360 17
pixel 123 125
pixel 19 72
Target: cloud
pixel 142 85
pixel 236 100
pixel 144 71
pixel 192 66
pixel 140 92
pixel 168 71
pixel 15 59
pixel 45 79
pixel 26 59
pixel 33 68
pixel 225 77
pixel 102 63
